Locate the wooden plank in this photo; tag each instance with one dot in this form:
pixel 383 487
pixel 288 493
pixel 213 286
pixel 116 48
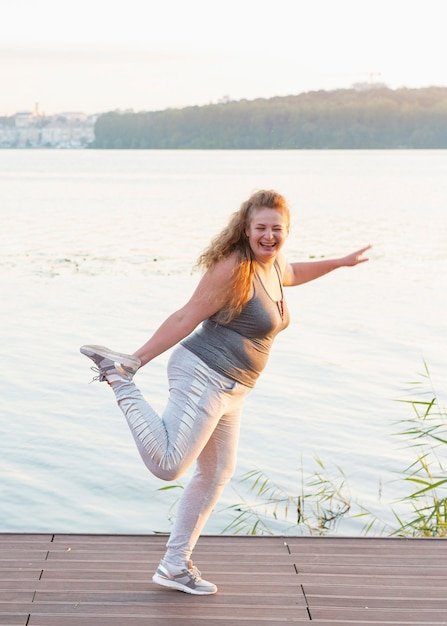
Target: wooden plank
pixel 22 565
pixel 372 602
pixel 14 620
pixel 156 544
pixel 9 538
pixel 138 557
pixel 18 574
pixel 355 540
pixel 269 588
pixel 328 578
pixel 379 616
pixel 404 560
pixel 14 595
pixel 166 596
pixel 377 570
pixel 364 542
pixel 19 555
pixel 161 538
pixel 112 620
pixel 361 552
pixel 91 575
pixel 383 621
pixel 191 606
pixel 379 590
pixel 139 567
pixel 144 568
pixel 18 585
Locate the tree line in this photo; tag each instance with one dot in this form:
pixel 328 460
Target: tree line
pixel 341 119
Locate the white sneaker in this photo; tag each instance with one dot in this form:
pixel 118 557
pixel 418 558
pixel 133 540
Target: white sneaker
pixel 187 579
pixel 111 366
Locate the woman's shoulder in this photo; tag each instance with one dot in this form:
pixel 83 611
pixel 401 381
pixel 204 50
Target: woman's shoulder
pixel 223 269
pixel 227 264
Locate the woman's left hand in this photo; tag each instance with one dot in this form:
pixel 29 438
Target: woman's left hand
pixel 355 257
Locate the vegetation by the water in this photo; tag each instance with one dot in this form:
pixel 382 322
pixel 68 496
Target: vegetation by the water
pixel 325 499
pixel 341 119
pixel 322 501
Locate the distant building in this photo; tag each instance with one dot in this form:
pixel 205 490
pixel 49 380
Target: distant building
pixel 23 118
pixel 34 130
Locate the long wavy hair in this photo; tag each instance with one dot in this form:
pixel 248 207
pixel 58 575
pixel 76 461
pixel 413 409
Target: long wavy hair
pixel 233 240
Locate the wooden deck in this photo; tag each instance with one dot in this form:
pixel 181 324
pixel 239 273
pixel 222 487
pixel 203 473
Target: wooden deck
pixel 105 580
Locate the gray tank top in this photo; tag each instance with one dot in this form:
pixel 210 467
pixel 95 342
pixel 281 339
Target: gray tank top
pixel 240 349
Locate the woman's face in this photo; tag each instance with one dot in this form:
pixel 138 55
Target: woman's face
pixel 267 231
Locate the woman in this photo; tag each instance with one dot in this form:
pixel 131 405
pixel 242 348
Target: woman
pixel 241 304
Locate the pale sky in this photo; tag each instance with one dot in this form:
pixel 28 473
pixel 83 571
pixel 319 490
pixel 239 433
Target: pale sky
pixel 100 55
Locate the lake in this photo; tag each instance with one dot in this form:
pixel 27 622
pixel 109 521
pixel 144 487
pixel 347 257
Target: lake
pixel 99 246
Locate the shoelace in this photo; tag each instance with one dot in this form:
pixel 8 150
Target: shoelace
pixel 194 573
pixel 100 375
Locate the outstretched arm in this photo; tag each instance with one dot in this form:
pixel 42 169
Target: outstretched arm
pixel 299 273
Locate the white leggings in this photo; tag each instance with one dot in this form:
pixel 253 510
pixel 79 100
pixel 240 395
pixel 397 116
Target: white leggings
pixel 200 423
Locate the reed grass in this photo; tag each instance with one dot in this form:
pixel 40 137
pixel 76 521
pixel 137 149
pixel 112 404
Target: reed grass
pixel 324 499
pixel 318 508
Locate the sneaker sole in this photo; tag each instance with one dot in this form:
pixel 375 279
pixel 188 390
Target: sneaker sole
pixel 165 582
pixel 125 359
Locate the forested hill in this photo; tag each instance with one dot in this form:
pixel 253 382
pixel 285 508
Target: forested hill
pixel 346 118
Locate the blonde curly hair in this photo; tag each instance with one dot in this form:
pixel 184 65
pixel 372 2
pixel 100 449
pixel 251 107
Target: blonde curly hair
pixel 233 240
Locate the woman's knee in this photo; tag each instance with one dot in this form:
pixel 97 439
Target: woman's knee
pixel 169 471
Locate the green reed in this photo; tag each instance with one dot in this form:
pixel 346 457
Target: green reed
pixel 323 500
pixel 318 508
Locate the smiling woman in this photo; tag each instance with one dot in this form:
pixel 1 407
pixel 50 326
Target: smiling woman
pixel 267 231
pixel 225 332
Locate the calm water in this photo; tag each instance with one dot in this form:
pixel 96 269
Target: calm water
pixel 98 247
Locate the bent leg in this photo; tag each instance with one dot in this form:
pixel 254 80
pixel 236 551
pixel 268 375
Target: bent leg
pixel 169 444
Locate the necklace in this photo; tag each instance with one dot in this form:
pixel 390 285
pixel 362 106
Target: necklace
pixel 280 305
